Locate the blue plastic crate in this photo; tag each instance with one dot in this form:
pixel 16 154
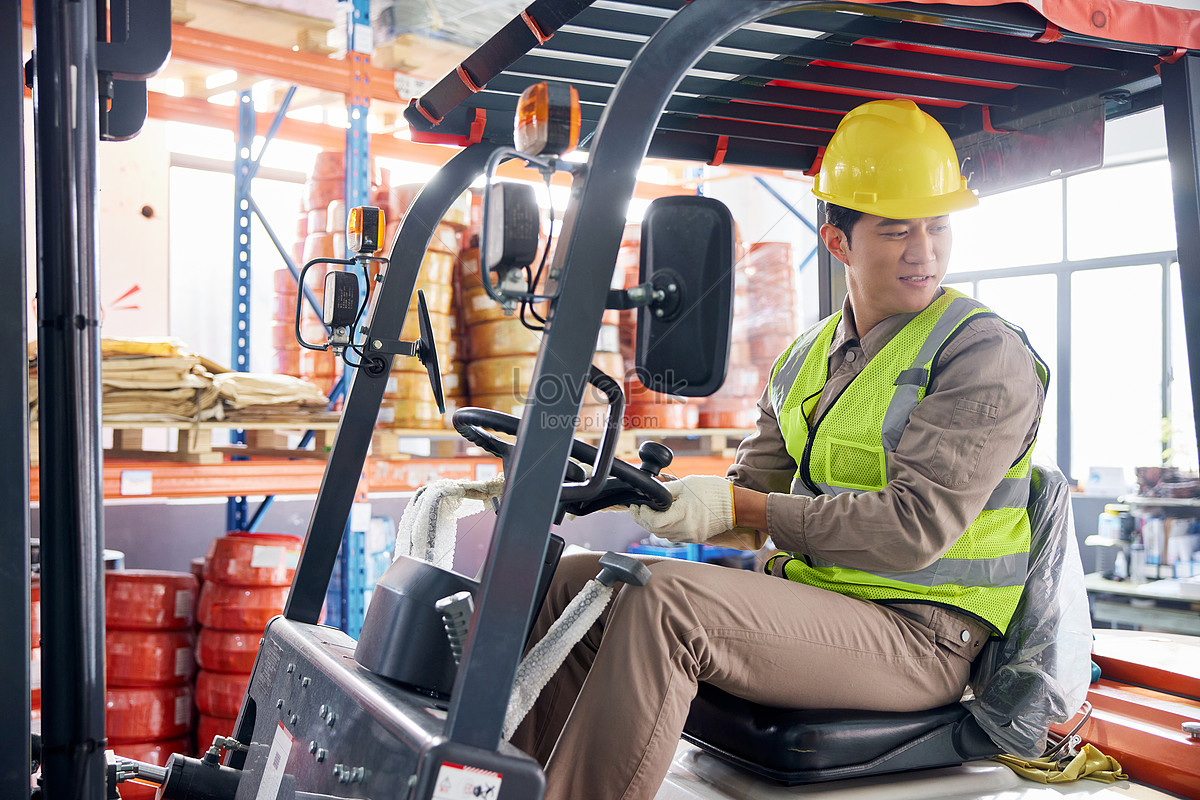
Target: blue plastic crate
pixel 686 552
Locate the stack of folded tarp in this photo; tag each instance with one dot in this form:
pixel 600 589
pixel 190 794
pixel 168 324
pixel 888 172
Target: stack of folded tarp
pixel 155 378
pixel 263 397
pixel 159 379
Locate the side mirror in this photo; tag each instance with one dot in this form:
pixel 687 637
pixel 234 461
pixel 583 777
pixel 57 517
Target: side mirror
pixel 688 257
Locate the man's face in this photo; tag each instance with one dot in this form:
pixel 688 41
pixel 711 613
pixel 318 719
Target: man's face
pixel 893 266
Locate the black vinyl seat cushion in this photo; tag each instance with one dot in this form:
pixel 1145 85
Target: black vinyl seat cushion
pixel 809 746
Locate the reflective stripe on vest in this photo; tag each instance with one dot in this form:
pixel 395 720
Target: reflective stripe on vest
pixel 986 587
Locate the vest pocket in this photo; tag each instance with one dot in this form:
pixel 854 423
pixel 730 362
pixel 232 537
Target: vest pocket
pixel 961 444
pixel 855 465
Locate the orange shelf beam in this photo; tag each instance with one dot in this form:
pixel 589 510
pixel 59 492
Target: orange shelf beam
pixel 279 476
pixel 197 46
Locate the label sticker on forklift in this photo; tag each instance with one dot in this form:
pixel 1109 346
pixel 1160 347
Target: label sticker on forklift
pixel 456 781
pixel 281 747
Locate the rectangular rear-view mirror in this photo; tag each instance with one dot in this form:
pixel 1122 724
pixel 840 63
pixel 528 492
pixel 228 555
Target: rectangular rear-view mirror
pixel 687 255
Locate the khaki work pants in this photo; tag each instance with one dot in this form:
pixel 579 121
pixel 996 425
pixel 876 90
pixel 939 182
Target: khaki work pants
pixel 607 724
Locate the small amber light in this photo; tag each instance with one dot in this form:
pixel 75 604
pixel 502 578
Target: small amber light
pixel 364 229
pixel 547 119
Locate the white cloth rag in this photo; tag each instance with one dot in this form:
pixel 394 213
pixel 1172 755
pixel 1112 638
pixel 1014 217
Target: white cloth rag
pixel 429 525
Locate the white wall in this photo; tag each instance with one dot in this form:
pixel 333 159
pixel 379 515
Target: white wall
pixel 133 248
pixel 134 275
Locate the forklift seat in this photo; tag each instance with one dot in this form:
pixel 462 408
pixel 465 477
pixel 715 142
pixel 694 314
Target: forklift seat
pixel 792 747
pixel 1035 676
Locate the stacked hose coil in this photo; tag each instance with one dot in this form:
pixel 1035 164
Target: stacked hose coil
pixel 149 664
pixel 246 580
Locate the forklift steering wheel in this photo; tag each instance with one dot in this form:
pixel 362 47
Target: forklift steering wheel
pixel 624 485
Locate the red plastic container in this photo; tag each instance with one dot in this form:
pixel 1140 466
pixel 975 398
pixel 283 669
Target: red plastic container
pixel 227 651
pixel 219 694
pixel 253 559
pixel 35 611
pixel 149 658
pixel 143 599
pixel 35 679
pixel 140 714
pixel 240 608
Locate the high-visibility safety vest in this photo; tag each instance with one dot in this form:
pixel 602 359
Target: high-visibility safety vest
pixel 846 450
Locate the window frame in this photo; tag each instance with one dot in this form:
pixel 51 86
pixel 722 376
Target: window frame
pixel 1064 269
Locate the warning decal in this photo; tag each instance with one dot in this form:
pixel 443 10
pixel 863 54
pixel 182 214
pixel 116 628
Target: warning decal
pixel 466 783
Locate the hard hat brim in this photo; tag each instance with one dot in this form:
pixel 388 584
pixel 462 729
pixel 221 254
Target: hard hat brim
pixel 907 207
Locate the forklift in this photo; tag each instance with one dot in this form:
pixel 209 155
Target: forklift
pixel 416 708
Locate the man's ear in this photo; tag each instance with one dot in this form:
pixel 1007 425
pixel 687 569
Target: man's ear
pixel 836 242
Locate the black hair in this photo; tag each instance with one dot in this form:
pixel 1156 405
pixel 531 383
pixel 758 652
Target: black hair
pixel 842 218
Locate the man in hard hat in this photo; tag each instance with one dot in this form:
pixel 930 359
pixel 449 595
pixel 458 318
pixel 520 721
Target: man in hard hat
pixel 891 464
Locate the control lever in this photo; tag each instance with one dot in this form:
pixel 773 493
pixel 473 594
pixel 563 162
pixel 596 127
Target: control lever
pixel 655 457
pixel 457 610
pixel 545 657
pixel 618 568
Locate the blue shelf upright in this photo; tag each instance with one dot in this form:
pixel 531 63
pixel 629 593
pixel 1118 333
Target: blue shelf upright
pixel 245 166
pixel 239 356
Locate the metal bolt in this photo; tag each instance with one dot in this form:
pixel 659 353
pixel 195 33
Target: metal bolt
pixel 672 287
pixel 378 345
pixel 1192 729
pixel 340 330
pixel 312 747
pixel 358 774
pixel 324 710
pixel 279 703
pixel 305 682
pixel 293 719
pixel 658 312
pixel 291 668
pixel 321 754
pixel 332 718
pixel 338 772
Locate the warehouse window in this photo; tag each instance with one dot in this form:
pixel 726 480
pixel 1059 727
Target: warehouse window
pixel 201 252
pixel 1102 307
pixel 1116 367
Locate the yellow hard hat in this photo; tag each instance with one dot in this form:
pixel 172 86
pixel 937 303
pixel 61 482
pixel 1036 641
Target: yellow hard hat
pixel 891 159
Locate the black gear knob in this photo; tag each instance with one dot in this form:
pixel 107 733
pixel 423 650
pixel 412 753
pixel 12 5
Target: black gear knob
pixel 619 568
pixel 655 457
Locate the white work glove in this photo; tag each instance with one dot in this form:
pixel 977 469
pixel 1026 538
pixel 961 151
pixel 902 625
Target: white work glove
pixel 702 509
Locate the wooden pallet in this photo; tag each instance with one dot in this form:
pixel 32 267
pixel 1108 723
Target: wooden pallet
pixel 387 443
pixel 193 441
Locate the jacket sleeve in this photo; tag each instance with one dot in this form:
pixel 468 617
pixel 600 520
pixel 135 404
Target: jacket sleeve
pixel 762 462
pixel 977 419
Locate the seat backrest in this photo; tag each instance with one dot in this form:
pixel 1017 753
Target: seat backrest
pixel 1037 675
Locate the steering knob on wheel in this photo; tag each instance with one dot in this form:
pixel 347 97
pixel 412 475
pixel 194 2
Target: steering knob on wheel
pixel 655 457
